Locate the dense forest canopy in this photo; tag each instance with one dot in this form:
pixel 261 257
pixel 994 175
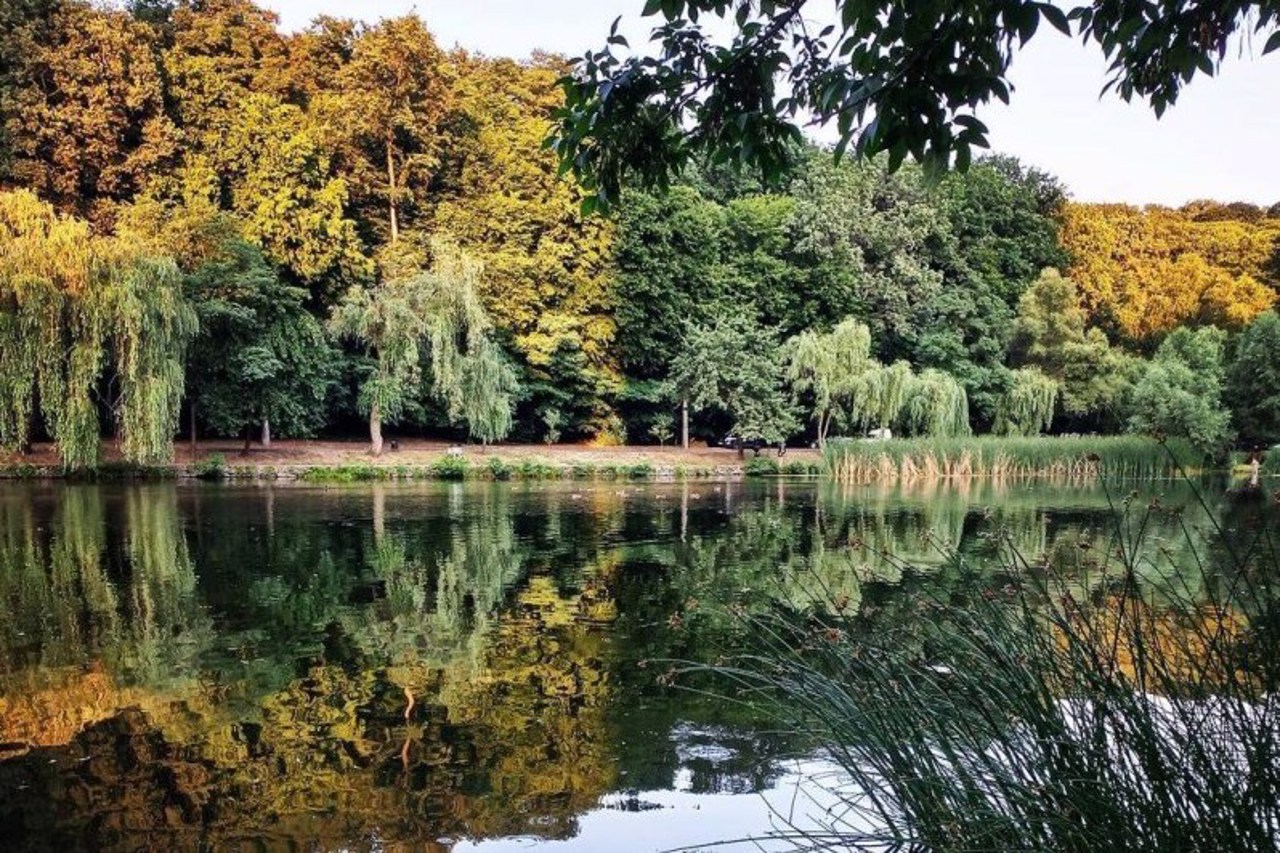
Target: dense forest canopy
pixel 295 234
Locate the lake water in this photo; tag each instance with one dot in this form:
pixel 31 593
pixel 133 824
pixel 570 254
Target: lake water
pixel 471 666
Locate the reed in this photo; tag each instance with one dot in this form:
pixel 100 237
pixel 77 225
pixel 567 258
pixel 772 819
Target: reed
pixel 1076 458
pixel 1137 712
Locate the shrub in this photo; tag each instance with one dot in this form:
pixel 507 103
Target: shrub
pixel 760 466
pixel 498 469
pixel 358 472
pixel 536 469
pixel 799 468
pixel 212 467
pixel 450 468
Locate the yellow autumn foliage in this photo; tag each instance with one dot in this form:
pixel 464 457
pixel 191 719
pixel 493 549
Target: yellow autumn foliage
pixel 1143 272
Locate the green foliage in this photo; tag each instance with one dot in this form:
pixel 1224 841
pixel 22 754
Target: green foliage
pixel 662 428
pixel 827 369
pixel 212 467
pixel 760 466
pixel 260 355
pixel 1180 393
pixel 498 468
pixel 551 419
pixel 536 469
pixel 76 306
pixel 1253 387
pixel 892 80
pixel 1027 406
pixel 878 396
pixel 1051 335
pixel 433 316
pixel 450 468
pixel 936 405
pixel 734 367
pixel 361 472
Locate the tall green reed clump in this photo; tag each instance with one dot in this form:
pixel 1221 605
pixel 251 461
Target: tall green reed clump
pixel 1120 696
pixel 1007 457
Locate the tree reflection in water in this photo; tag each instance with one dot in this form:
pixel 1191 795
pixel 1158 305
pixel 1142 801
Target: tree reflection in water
pixel 382 666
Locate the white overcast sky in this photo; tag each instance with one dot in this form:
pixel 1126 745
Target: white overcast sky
pixel 1220 141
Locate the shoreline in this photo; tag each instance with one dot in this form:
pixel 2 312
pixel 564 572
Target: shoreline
pixel 348 461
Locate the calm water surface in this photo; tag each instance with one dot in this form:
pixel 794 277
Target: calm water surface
pixel 448 667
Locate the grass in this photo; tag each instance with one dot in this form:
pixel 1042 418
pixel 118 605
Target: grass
pixel 1043 713
pixel 1074 458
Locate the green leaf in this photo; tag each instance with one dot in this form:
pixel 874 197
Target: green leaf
pixel 1056 17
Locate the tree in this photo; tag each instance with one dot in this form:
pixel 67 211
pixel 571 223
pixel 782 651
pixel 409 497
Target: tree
pixel 549 279
pixel 869 238
pixel 894 79
pixel 393 95
pixel 85 116
pixel 261 359
pixel 276 177
pixel 83 316
pixel 936 405
pixel 733 367
pixel 662 428
pixel 1142 273
pixel 825 369
pixel 877 397
pixel 413 317
pixel 1028 405
pixel 1004 216
pixel 219 53
pixel 1180 393
pixel 489 387
pixel 670 273
pixel 1051 336
pixel 1254 380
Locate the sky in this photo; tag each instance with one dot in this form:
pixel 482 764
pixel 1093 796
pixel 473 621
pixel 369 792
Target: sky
pixel 1214 144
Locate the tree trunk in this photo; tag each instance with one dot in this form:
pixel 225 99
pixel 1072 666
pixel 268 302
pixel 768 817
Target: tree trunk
pixel 684 424
pixel 375 428
pixel 244 451
pixel 266 432
pixel 191 416
pixel 391 193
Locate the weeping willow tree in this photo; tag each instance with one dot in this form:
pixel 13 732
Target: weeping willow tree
pixel 876 397
pixel 436 316
pixel 79 312
pixel 936 405
pixel 1027 407
pixel 827 367
pixel 489 385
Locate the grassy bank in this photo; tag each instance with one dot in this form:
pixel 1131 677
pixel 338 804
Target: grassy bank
pixel 352 465
pixel 1067 458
